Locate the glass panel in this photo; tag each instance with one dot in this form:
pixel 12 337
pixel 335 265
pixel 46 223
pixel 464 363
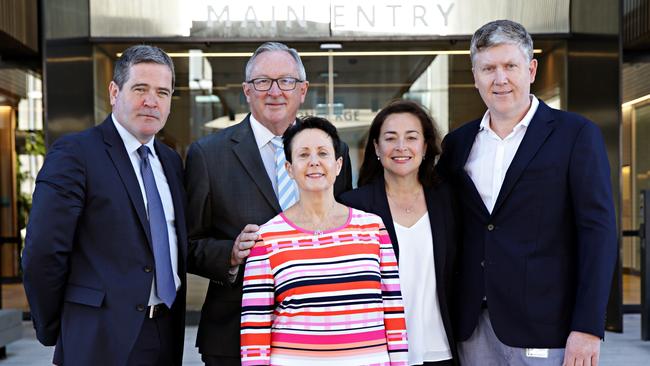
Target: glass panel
pixel 629 216
pixel 635 178
pixel 431 89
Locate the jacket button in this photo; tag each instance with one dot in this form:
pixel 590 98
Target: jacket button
pixel 490 227
pixel 147 268
pixel 140 307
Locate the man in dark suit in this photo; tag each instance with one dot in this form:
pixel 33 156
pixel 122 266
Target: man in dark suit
pixel 104 259
pixel 539 244
pixel 236 181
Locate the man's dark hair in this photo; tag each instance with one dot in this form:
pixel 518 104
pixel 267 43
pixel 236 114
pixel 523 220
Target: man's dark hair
pixel 140 54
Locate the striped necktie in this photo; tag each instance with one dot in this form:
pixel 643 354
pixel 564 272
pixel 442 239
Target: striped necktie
pixel 287 194
pixel 165 286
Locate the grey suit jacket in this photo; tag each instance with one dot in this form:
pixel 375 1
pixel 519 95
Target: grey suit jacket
pixel 228 188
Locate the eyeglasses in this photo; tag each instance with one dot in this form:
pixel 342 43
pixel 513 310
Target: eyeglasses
pixel 265 84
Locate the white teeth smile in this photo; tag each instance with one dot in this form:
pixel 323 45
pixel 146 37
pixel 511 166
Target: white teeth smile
pixel 402 158
pixel 315 175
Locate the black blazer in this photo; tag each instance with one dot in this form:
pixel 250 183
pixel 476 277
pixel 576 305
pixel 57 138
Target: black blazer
pixel 372 198
pixel 88 249
pixel 228 188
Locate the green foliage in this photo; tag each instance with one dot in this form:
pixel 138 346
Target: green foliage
pixel 34 145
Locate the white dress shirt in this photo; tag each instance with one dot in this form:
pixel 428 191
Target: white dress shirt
pixel 132 145
pixel 491 156
pixel 263 137
pixel 417 273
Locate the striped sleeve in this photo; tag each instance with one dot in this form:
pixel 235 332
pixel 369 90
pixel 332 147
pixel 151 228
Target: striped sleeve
pixel 394 320
pixel 257 308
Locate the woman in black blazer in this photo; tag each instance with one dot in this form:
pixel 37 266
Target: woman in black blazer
pixel 398 182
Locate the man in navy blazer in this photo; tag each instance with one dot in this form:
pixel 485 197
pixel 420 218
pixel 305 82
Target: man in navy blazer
pixel 104 258
pixel 540 243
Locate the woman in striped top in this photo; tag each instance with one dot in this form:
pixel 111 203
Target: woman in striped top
pixel 321 284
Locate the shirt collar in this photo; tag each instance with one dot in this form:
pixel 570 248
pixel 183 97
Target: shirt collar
pixel 131 143
pixel 262 134
pixel 534 103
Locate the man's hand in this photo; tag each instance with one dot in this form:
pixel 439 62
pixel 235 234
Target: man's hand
pixel 243 244
pixel 582 349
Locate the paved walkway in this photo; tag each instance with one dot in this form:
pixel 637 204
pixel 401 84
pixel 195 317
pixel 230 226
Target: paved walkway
pixel 28 352
pixel 624 349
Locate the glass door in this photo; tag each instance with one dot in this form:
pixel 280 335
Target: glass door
pixel 635 178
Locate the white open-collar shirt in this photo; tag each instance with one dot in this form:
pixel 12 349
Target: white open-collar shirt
pixel 491 156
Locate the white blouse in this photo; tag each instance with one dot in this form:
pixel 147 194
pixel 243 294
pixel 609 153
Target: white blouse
pixel 427 339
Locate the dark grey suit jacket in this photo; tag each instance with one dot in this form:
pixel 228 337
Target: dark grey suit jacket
pixel 228 188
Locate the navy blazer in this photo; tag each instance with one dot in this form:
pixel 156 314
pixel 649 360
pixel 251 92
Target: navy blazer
pixel 545 255
pixel 372 198
pixel 88 257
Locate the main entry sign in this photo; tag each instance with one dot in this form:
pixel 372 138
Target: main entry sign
pixel 306 19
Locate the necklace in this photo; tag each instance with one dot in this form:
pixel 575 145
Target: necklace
pixel 317 227
pixel 407 208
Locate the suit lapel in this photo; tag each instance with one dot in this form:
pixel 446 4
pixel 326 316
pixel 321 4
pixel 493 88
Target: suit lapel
pixel 381 207
pixel 117 152
pixel 538 130
pixel 173 180
pixel 467 142
pixel 245 148
pixel 438 222
pixel 473 194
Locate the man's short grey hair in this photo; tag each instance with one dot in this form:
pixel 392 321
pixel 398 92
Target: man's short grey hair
pixel 140 54
pixel 276 46
pixel 501 32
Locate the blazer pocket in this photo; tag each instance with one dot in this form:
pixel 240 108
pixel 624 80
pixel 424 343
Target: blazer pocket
pixel 84 295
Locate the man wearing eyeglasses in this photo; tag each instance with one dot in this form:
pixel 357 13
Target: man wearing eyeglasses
pixel 236 181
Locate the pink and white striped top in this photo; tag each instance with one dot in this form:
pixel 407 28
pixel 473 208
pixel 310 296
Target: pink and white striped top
pixel 323 298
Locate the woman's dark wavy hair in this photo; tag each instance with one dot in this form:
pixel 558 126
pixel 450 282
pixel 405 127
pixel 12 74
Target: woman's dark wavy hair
pixel 371 168
pixel 311 122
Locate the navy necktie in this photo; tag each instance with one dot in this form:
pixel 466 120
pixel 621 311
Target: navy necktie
pixel 165 287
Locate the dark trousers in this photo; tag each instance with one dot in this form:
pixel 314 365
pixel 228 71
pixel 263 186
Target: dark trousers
pixel 220 360
pixel 439 363
pixel 154 344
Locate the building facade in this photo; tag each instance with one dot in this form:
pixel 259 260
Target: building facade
pixel 358 55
